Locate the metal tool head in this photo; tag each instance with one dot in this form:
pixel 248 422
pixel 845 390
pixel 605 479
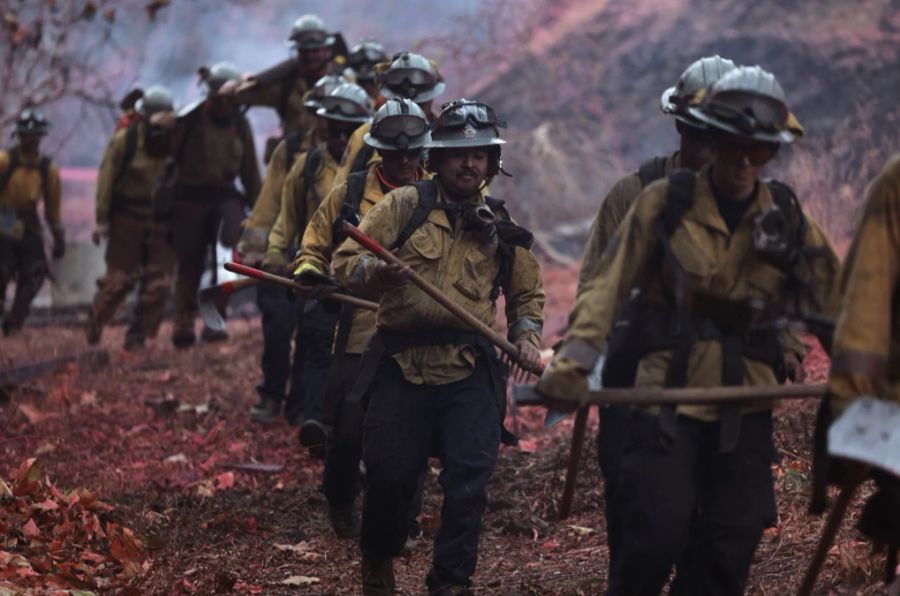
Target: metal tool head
pixel 211 310
pixel 868 432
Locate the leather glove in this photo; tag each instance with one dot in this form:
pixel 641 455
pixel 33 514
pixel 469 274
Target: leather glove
pixel 100 232
pixel 316 285
pixel 59 244
pixel 564 383
pixel 252 246
pixel 275 262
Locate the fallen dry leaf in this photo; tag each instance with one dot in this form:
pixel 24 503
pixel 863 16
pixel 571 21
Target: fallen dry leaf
pixel 300 580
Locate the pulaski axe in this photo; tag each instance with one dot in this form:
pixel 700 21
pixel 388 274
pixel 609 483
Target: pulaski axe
pixel 868 433
pixel 213 301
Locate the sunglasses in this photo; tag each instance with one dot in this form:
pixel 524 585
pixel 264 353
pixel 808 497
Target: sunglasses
pixel 757 153
pixel 409 154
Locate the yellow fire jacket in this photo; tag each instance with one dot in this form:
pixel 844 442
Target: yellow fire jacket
pixel 461 265
pixel 866 349
pixel 300 196
pixel 716 263
pixel 25 190
pixel 131 189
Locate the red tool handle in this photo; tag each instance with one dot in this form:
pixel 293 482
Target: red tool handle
pixel 471 320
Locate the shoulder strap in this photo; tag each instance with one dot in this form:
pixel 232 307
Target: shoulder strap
pixel 313 159
pixel 427 202
pixel 356 185
pixel 362 158
pixel 786 199
pixel 652 170
pixel 287 87
pixel 292 142
pixel 679 199
pixel 14 162
pixel 130 150
pixel 44 169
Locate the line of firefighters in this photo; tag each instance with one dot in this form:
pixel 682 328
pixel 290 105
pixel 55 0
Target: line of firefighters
pixel 692 263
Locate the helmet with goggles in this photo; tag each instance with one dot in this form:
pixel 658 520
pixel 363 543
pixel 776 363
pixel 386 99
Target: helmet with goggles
pixel 400 124
pixel 347 103
pixel 412 76
pixel 308 33
pixel 32 122
pixel 321 90
pixel 748 102
pixel 155 100
pixel 363 58
pixel 464 123
pixel 695 78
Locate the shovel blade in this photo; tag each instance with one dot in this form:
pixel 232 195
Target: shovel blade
pixel 868 432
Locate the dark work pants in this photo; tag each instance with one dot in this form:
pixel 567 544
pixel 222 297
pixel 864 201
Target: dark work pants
pixel 23 262
pixel 682 500
pixel 316 340
pixel 342 480
pixel 280 324
pixel 404 423
pixel 610 447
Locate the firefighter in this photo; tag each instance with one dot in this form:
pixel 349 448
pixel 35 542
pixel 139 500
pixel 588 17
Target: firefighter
pixel 362 61
pixel 399 134
pixel 213 146
pixel 310 179
pixel 280 315
pixel 137 223
pixel 695 486
pixel 26 177
pixel 438 388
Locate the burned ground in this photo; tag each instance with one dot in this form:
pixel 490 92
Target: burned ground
pixel 217 504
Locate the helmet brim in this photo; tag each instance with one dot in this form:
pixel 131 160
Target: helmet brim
pixel 419 98
pixel 323 113
pixel 293 43
pixel 463 143
pixel 777 136
pixel 421 142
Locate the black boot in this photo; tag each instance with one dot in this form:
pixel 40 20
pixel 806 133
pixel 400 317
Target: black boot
pixel 266 410
pixel 378 577
pixel 344 521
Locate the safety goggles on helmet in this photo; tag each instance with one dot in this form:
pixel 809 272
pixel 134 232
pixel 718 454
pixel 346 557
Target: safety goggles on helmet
pixel 366 54
pixel 400 78
pixel 458 114
pixel 32 121
pixel 337 107
pixel 393 128
pixel 749 113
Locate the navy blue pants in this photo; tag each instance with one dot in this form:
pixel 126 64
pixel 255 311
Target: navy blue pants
pixel 683 503
pixel 459 423
pixel 280 324
pixel 315 342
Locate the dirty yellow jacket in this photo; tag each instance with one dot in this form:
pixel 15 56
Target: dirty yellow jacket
pixel 715 262
pixel 268 203
pixel 459 264
pixel 612 211
pixel 132 189
pixel 25 190
pixel 866 348
pixel 212 156
pixel 354 145
pixel 318 244
pixel 299 200
pixel 295 116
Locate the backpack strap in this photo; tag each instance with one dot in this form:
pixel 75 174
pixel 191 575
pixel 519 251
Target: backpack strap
pixel 310 168
pixel 14 162
pixel 130 150
pixel 362 159
pixel 287 88
pixel 427 203
pixel 652 170
pixel 356 185
pixel 292 142
pixel 786 199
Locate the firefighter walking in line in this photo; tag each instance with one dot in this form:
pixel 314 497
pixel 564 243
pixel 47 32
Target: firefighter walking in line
pixel 133 217
pixel 717 253
pixel 26 177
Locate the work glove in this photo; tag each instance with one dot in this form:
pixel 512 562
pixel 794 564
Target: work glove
pixel 275 262
pixel 100 232
pixel 315 284
pixel 388 276
pixel 252 246
pixel 59 243
pixel 563 384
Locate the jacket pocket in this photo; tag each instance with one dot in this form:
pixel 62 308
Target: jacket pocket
pixel 476 276
pixel 765 282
